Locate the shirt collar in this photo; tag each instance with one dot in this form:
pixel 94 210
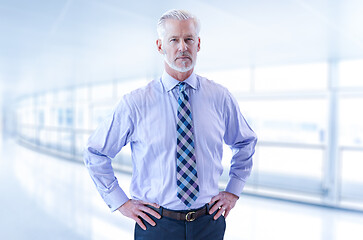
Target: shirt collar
pixel 169 82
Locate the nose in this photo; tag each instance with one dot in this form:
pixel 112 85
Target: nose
pixel 182 46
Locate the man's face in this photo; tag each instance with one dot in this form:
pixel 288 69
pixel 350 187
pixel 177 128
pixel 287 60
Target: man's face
pixel 179 45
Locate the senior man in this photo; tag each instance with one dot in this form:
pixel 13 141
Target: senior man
pixel 176 126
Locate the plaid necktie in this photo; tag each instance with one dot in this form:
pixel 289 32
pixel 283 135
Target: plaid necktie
pixel 187 179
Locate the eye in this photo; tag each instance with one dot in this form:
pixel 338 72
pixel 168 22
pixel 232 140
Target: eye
pixel 172 40
pixel 189 40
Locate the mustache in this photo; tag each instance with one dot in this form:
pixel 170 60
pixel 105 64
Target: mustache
pixel 183 54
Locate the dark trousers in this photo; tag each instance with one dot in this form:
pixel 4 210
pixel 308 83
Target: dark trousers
pixel 203 228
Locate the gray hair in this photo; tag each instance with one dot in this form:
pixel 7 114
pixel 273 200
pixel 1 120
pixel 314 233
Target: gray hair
pixel 177 15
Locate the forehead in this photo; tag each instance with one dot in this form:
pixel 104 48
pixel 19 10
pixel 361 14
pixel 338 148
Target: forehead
pixel 175 27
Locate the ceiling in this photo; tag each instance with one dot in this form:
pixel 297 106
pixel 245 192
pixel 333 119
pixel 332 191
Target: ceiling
pixel 54 44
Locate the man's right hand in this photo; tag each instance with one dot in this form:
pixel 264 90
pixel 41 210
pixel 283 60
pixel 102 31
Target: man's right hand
pixel 137 209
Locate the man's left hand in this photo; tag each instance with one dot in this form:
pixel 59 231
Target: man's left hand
pixel 223 203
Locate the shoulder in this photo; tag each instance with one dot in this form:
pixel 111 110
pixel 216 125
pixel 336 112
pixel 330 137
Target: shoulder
pixel 142 94
pixel 213 88
pixel 130 103
pixel 218 93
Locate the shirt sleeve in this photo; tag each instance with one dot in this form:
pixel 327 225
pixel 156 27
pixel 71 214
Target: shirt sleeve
pixel 108 139
pixel 242 141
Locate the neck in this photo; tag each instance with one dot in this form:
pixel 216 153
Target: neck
pixel 180 76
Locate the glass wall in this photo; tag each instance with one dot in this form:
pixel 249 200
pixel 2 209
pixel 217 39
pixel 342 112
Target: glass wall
pixel 307 118
pixel 350 121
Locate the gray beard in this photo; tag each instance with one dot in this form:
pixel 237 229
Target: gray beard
pixel 176 68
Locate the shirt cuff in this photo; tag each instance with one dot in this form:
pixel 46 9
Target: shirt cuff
pixel 115 199
pixel 235 186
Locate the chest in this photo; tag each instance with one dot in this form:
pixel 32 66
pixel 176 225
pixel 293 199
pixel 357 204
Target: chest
pixel 157 119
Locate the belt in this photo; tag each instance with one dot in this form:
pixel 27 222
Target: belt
pixel 188 216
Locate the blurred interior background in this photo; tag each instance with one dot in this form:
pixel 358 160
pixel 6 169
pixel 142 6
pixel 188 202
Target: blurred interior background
pixel 295 67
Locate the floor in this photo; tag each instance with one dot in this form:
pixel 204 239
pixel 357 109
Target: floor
pixel 44 197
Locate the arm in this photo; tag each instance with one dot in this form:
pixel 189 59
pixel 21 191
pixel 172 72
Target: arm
pixel 104 144
pixel 242 140
pixel 108 139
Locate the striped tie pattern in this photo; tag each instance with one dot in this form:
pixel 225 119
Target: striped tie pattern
pixel 187 179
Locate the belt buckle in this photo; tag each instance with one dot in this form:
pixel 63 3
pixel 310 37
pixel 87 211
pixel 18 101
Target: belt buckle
pixel 190 217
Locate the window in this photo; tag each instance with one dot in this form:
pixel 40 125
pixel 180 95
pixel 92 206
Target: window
pixel 124 87
pixel 351 73
pixel 289 120
pixel 302 77
pixel 238 80
pixel 351 121
pixel 100 92
pixel 351 174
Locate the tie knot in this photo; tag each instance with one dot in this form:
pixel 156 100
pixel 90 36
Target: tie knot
pixel 182 87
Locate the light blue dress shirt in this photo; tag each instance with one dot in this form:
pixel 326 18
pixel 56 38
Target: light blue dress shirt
pixel 146 118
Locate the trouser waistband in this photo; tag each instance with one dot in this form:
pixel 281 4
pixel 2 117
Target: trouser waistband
pixel 188 215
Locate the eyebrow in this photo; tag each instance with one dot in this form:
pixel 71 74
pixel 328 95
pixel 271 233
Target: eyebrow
pixel 174 36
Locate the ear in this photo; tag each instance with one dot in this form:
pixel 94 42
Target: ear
pixel 159 46
pixel 198 48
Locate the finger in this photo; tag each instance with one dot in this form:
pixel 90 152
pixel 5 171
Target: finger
pixel 218 214
pixel 155 205
pixel 214 199
pixel 140 223
pixel 151 212
pixel 216 206
pixel 147 219
pixel 210 206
